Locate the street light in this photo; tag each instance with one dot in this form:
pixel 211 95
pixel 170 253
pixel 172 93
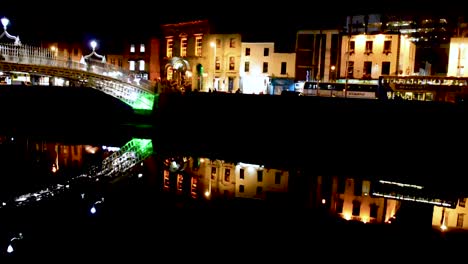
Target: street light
pixel 93 45
pixel 213 45
pixel 5 22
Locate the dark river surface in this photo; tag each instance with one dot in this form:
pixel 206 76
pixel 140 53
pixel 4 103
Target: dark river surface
pixel 173 205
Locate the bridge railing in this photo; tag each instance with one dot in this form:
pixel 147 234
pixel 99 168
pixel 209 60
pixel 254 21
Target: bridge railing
pixel 30 55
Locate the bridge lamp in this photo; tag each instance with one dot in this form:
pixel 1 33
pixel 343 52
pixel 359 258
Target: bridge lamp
pixel 93 44
pixel 5 22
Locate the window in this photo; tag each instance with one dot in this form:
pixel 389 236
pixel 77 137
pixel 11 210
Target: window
pixel 460 218
pixel 241 188
pixel 352 45
pixel 198 46
pixel 265 67
pixel 170 73
pixel 266 52
pixel 259 190
pixel 369 45
pixel 350 69
pixel 232 64
pixel 218 64
pixel 132 48
pixel 169 45
pixel 142 48
pixel 247 66
pixel 387 47
pixel 213 173
pixel 283 67
pixel 141 66
pixel 277 177
pixel 357 187
pixel 241 174
pixel 227 175
pixel 385 68
pixel 247 51
pixel 218 43
pixel 373 210
pixel 120 63
pixel 367 71
pixel 259 175
pixel 462 202
pixel 341 186
pixel 339 206
pixel 356 208
pixel 183 47
pixel 232 43
pixel 132 65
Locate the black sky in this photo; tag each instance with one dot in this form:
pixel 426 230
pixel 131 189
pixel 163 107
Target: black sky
pixel 271 20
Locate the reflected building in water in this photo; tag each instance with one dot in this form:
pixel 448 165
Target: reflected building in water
pixel 218 180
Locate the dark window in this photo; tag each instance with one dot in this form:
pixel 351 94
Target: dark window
pixel 266 52
pixel 247 66
pixel 265 67
pixel 367 68
pixel 277 177
pixel 283 67
pixel 356 208
pixel 227 175
pixel 241 188
pixel 350 69
pixel 387 46
pixel 247 51
pixel 351 46
pixel 339 206
pixel 357 187
pixel 241 174
pixel 373 210
pixel 232 64
pixel 386 68
pixel 369 45
pixel 259 175
pixel 341 185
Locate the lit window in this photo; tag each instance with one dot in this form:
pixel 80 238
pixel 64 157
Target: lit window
pixel 142 48
pixel 141 65
pixel 132 65
pixel 169 48
pixel 132 48
pixel 198 46
pixel 183 47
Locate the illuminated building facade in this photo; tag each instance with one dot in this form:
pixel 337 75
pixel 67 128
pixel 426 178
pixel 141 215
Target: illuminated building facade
pixel 260 65
pixel 451 218
pixel 186 53
pixel 225 62
pixel 458 57
pixel 370 56
pixel 141 58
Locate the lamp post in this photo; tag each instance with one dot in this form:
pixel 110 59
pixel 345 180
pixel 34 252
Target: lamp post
pixel 93 45
pixel 213 45
pixel 5 22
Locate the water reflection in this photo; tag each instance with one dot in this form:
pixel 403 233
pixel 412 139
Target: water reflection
pixel 93 192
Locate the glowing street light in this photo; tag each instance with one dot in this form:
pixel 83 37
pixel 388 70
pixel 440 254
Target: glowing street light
pixel 5 22
pixel 93 45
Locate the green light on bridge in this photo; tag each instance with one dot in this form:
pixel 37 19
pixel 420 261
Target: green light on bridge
pixel 144 102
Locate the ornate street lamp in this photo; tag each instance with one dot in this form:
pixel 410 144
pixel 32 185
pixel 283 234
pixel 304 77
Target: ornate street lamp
pixel 5 22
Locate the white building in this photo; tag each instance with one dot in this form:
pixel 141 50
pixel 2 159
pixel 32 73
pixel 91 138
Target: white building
pixel 223 62
pixel 458 57
pixel 260 64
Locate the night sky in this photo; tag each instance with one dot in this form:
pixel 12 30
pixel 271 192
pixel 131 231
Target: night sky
pixel 258 21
